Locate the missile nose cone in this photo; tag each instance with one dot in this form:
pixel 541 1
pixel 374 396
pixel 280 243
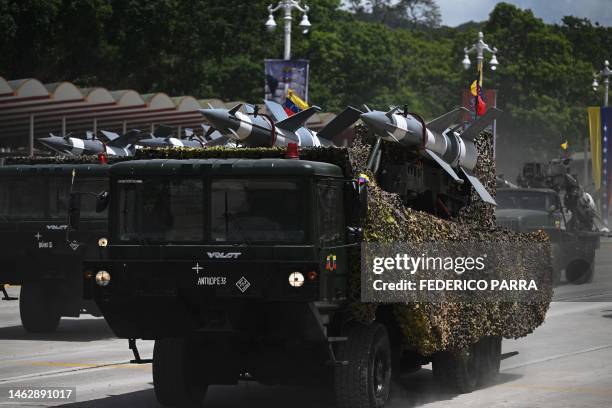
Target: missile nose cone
pixel 374 120
pixel 218 118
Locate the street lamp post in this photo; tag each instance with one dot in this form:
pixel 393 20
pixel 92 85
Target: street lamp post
pixel 480 47
pixel 288 6
pixel 605 73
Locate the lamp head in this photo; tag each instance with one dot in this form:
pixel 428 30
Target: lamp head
pixel 270 24
pixel 305 24
pixel 494 63
pixel 466 62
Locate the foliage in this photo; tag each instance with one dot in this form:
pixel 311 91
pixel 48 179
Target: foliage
pixel 383 52
pixel 402 13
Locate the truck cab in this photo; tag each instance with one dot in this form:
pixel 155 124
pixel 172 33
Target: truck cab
pixel 529 209
pixel 532 209
pixel 244 257
pixel 39 250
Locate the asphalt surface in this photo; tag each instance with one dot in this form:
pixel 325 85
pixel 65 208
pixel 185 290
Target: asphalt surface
pixel 567 362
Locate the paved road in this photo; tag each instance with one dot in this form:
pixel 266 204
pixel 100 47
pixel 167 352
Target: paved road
pixel 567 362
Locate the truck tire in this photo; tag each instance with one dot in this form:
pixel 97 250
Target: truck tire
pixel 365 381
pixel 579 272
pixel 491 359
pixel 458 371
pixel 38 308
pixel 176 378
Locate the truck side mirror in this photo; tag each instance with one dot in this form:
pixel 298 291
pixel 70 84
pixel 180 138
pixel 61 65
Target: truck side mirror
pixel 74 211
pixel 101 201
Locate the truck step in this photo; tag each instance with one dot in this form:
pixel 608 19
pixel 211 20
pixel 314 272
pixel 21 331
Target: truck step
pixel 137 359
pixel 6 296
pixel 336 363
pixel 336 339
pixel 508 355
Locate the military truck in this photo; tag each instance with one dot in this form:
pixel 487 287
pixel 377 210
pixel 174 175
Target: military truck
pixel 39 251
pixel 550 199
pixel 239 269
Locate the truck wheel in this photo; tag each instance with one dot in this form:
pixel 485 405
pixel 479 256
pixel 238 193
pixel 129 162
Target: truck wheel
pixel 38 308
pixel 458 371
pixel 579 272
pixel 366 380
pixel 490 350
pixel 176 378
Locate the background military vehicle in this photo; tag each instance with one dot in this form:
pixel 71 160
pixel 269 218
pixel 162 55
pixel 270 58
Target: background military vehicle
pixel 548 198
pixel 38 251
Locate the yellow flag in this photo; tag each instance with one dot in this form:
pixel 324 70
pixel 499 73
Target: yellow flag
pixel 565 145
pixel 473 88
pixel 595 139
pixel 299 102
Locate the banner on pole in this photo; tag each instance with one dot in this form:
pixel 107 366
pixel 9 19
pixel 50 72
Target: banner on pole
pixel 594 113
pixel 282 75
pixel 606 163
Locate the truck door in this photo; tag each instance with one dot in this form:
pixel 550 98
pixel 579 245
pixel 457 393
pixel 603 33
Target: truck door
pixel 331 237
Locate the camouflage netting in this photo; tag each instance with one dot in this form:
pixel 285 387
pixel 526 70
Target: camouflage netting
pixel 427 327
pixel 431 327
pixel 85 159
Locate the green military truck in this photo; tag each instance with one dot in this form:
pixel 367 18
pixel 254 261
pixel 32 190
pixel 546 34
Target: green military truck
pixel 38 251
pixel 239 269
pixel 548 198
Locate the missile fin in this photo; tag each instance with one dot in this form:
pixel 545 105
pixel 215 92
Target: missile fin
pixel 480 189
pixel 162 131
pixel 482 122
pixel 367 108
pixel 234 109
pixel 248 108
pixel 208 131
pixel 445 166
pixel 441 123
pixel 294 122
pixel 107 136
pixel 129 138
pixel 392 136
pixel 338 124
pixel 391 112
pixel 233 132
pixel 275 110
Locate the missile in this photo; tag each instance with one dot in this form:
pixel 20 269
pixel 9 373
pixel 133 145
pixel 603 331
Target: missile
pixel 162 137
pixel 440 140
pixel 275 128
pixel 74 146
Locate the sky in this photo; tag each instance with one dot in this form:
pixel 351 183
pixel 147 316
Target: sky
pixel 455 12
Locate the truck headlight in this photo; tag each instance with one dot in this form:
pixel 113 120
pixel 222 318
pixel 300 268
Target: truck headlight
pixel 296 279
pixel 102 242
pixel 103 278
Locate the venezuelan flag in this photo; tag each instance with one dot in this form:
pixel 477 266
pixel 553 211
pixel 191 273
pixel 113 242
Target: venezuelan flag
pixel 293 103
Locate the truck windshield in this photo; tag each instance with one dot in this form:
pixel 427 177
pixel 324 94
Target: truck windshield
pixel 38 197
pixel 160 210
pixel 526 200
pixel 251 210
